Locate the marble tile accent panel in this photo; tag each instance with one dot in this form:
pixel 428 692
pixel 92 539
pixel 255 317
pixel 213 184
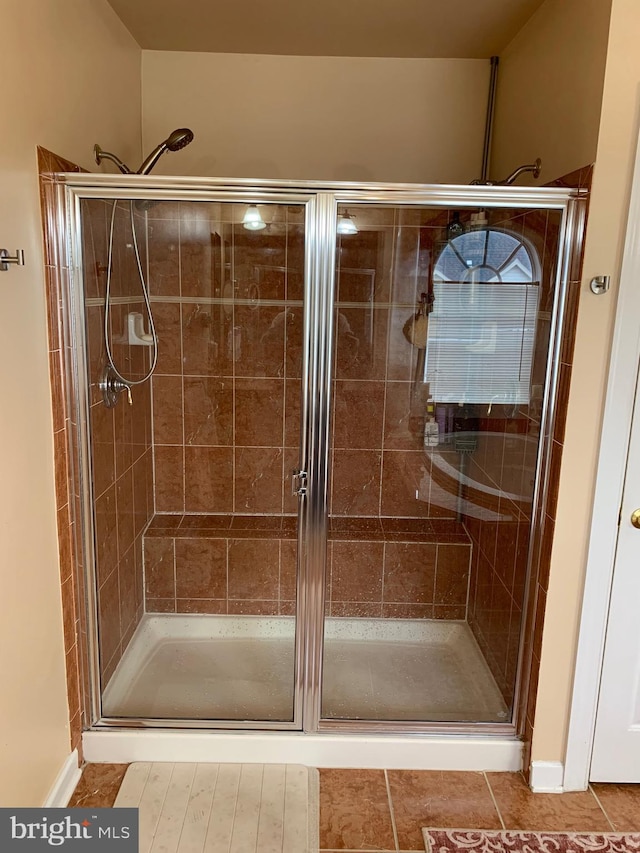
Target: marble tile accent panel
pixel 98 786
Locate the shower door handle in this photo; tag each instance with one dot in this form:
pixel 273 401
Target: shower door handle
pixel 298 483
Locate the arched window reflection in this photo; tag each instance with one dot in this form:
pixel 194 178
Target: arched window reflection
pixel 486 287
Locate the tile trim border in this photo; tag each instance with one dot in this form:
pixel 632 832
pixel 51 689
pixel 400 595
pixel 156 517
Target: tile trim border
pixel 546 777
pixel 65 784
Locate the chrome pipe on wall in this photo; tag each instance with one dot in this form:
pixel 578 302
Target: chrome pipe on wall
pixel 488 130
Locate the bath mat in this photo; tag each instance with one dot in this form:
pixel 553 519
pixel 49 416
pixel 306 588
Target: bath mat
pixel 513 841
pixel 223 808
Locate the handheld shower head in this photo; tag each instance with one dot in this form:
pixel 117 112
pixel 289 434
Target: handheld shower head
pixel 177 140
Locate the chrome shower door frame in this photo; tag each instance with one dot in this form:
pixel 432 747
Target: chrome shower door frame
pixel 321 200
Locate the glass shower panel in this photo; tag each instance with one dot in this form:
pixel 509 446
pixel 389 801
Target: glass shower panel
pixel 442 327
pixel 196 529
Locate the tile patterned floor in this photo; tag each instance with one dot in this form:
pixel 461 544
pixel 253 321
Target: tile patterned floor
pixel 384 810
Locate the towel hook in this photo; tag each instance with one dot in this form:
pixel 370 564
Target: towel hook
pixel 6 259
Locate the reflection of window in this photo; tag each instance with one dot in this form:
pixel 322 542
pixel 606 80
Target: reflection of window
pixel 482 328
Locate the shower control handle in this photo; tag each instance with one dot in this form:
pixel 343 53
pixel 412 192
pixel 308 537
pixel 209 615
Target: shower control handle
pixel 298 483
pixel 635 518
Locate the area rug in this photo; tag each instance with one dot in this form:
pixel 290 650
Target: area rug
pixel 513 841
pixel 223 808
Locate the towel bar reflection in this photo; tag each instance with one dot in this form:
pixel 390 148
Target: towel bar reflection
pixel 6 259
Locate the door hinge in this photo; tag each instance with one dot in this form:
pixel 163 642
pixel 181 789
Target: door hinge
pixel 298 483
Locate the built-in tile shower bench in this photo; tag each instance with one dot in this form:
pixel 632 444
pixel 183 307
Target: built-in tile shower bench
pixel 246 564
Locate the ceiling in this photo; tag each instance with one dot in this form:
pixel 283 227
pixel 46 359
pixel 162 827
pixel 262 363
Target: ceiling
pixel 471 29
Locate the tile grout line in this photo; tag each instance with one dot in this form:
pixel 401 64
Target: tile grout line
pixel 493 797
pixel 391 811
pixel 604 811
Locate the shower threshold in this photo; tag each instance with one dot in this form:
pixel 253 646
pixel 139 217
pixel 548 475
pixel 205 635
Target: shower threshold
pixel 210 667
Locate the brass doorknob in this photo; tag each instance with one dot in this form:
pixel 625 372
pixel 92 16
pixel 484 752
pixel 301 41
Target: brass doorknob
pixel 635 518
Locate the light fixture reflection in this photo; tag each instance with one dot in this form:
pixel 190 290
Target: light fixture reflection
pixel 253 220
pixel 346 225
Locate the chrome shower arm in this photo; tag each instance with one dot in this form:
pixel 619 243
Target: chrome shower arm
pixel 101 155
pixel 532 167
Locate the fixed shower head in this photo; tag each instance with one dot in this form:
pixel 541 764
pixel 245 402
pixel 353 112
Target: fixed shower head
pixel 177 140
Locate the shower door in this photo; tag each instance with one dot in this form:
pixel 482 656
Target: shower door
pixel 196 485
pixel 322 510
pixel 442 325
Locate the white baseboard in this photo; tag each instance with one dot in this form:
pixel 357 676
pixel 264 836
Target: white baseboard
pixel 547 777
pixel 65 783
pixel 368 752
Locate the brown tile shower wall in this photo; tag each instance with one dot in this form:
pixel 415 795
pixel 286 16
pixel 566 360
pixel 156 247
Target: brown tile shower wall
pixel 122 465
pixel 232 564
pixel 226 392
pixel 379 465
pixel 57 274
pixel 228 308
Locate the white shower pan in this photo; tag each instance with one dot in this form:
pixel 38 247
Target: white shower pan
pixel 242 668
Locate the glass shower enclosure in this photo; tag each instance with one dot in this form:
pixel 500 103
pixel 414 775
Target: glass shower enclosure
pixel 321 510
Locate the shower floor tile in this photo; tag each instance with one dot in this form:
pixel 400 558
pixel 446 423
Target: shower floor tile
pixel 242 668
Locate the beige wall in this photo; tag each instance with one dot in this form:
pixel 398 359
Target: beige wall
pixel 71 77
pixel 325 118
pixel 604 241
pixel 550 89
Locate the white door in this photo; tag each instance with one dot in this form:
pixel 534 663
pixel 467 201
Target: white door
pixel 616 752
